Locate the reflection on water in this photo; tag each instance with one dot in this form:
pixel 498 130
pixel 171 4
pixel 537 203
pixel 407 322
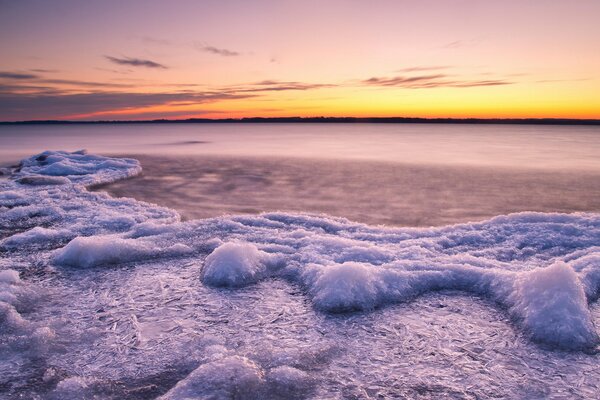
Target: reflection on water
pixel 523 146
pixel 369 192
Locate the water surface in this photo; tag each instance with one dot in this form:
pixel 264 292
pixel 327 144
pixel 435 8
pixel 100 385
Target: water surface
pixel 393 174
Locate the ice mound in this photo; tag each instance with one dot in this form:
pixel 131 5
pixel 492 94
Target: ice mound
pixel 86 252
pixel 288 382
pixel 9 277
pixel 231 377
pixel 74 388
pixel 552 307
pixel 15 330
pixel 227 375
pixel 236 264
pixel 10 290
pixel 42 180
pixel 345 287
pixel 77 167
pixel 36 236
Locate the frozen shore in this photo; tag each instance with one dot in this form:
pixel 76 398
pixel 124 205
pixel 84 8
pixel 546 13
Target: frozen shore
pixel 119 283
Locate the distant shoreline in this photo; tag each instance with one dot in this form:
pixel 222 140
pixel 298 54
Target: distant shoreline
pixel 376 120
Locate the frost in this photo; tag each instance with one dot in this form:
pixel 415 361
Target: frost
pixel 229 377
pixel 42 180
pixel 552 306
pixel 144 290
pixel 235 264
pixel 37 235
pixel 78 167
pixel 86 252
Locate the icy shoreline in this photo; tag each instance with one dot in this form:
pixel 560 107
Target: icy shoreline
pixel 542 269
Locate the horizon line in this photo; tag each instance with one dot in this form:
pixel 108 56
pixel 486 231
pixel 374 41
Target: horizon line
pixel 322 119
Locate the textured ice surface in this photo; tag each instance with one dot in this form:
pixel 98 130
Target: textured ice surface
pixel 116 298
pixel 236 264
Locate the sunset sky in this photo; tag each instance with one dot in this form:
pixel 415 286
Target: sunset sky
pixel 127 60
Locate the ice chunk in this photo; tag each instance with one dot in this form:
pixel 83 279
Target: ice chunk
pixel 92 251
pixel 233 377
pixel 235 264
pixel 10 319
pixel 88 252
pixel 344 287
pixel 76 167
pixel 42 180
pixel 10 277
pixel 74 388
pixel 288 382
pixel 37 235
pixel 552 307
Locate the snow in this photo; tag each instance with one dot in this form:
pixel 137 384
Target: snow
pixel 86 252
pixel 226 378
pixel 42 180
pixel 226 375
pixel 122 290
pixel 552 306
pixel 78 167
pixel 235 264
pixel 36 236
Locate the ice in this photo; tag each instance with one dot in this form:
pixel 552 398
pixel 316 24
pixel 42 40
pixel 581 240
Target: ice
pixel 226 378
pixel 115 295
pixel 236 264
pixel 86 252
pixel 42 180
pixel 36 236
pixel 9 277
pixel 229 376
pixel 73 388
pixel 289 382
pixel 552 306
pixel 79 167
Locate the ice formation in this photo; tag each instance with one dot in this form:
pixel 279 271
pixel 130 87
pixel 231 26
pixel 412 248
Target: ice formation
pixel 542 270
pixel 236 264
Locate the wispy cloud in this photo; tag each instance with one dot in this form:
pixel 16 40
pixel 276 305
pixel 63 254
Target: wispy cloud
pixel 44 71
pixel 461 43
pixel 453 45
pixel 156 41
pixel 51 106
pixel 216 50
pixel 278 86
pixel 431 81
pixel 135 62
pixel 16 75
pixel 424 68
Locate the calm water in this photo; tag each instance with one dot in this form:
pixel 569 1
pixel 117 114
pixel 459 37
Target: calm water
pixel 405 174
pixel 546 147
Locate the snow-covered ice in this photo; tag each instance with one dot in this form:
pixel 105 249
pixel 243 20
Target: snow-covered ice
pixel 236 264
pixel 96 290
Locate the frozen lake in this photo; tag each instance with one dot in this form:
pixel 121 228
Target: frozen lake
pixel 114 298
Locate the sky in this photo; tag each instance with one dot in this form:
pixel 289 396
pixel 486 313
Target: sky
pixel 132 60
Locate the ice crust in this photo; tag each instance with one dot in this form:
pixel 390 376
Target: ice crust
pixel 236 264
pixel 86 252
pixel 542 270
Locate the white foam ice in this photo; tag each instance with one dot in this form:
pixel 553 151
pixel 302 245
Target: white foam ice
pixel 78 167
pixel 85 252
pixel 551 304
pixel 136 280
pixel 236 264
pixel 37 235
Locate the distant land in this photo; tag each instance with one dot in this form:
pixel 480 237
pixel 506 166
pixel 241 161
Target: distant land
pixel 377 120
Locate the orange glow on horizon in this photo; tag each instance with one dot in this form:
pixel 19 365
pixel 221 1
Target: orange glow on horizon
pixel 467 59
